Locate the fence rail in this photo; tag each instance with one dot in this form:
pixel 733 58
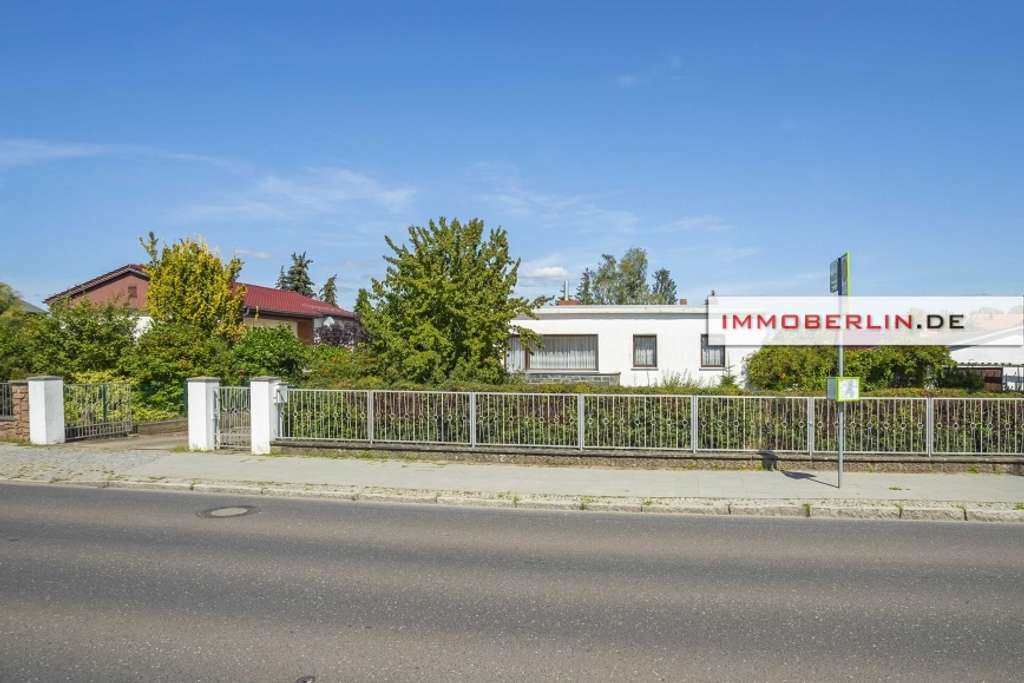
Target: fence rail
pixel 6 400
pixel 97 410
pixel 780 424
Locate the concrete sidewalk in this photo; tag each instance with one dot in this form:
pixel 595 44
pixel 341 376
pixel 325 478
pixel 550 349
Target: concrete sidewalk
pixel 746 492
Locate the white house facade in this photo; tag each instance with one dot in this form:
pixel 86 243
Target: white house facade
pixel 642 346
pixel 627 345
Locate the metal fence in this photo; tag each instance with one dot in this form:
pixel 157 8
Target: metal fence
pixel 233 418
pixel 97 410
pixel 6 400
pixel 778 424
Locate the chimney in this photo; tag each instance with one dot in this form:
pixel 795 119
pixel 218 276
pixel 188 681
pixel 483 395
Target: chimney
pixel 682 302
pixel 567 302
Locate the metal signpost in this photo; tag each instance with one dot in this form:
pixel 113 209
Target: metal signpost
pixel 841 389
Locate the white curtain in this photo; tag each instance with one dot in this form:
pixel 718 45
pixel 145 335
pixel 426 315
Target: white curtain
pixel 565 352
pixel 645 351
pixel 515 359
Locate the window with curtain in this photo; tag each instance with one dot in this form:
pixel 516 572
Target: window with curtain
pixel 645 351
pixel 711 355
pixel 554 352
pixel 515 357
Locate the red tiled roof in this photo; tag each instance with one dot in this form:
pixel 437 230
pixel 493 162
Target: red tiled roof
pixel 257 297
pixel 270 300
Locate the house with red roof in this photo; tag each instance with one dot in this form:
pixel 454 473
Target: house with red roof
pixel 264 306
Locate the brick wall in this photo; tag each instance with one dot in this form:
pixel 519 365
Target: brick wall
pixel 16 428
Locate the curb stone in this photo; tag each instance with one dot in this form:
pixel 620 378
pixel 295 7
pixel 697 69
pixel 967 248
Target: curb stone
pixel 549 503
pixel 714 507
pixel 475 501
pixel 855 511
pixel 397 497
pixel 150 485
pixel 349 493
pixel 243 489
pixel 768 509
pixel 934 513
pixel 849 508
pixel 613 504
pixel 993 515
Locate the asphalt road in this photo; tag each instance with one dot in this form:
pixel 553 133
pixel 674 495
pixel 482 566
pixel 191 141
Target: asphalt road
pixel 106 585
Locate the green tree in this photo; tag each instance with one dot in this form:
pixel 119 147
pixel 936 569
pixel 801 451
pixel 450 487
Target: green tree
pixel 190 285
pixel 296 278
pixel 10 304
pixel 445 307
pixel 79 337
pixel 329 292
pixel 663 291
pixel 282 280
pixel 269 351
pixel 167 354
pixel 624 281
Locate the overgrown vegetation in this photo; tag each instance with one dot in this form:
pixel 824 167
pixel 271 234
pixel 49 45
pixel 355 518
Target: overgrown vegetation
pixel 445 306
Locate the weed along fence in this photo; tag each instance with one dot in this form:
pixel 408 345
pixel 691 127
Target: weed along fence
pixel 626 422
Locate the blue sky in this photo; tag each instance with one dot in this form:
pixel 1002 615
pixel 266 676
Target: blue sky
pixel 744 145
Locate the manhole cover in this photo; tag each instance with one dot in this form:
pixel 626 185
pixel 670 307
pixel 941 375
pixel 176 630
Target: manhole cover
pixel 228 511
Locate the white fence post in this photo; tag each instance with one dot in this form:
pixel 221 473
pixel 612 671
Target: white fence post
pixel 472 419
pixel 46 410
pixel 810 425
pixel 929 426
pixel 263 413
pixel 202 413
pixel 694 424
pixel 581 421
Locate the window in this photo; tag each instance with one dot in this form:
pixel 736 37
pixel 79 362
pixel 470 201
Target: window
pixel 711 355
pixel 133 292
pixel 645 351
pixel 554 352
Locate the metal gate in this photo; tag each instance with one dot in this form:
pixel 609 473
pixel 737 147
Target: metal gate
pixel 233 414
pixel 97 410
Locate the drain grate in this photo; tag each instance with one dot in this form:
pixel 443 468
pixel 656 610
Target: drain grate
pixel 306 679
pixel 228 511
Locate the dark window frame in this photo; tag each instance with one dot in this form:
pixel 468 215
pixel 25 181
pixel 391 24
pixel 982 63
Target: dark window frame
pixel 705 348
pixel 639 366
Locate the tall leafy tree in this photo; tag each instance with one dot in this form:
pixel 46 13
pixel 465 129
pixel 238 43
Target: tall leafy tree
pixel 296 278
pixel 329 292
pixel 446 304
pixel 624 281
pixel 9 301
pixel 189 284
pixel 663 291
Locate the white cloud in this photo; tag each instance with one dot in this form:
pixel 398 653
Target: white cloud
pixel 667 67
pixel 27 152
pixel 702 223
pixel 576 212
pixel 626 80
pixel 255 254
pixel 542 272
pixel 731 254
pixel 317 192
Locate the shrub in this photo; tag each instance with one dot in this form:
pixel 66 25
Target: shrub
pixel 269 351
pixel 167 355
pixel 335 366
